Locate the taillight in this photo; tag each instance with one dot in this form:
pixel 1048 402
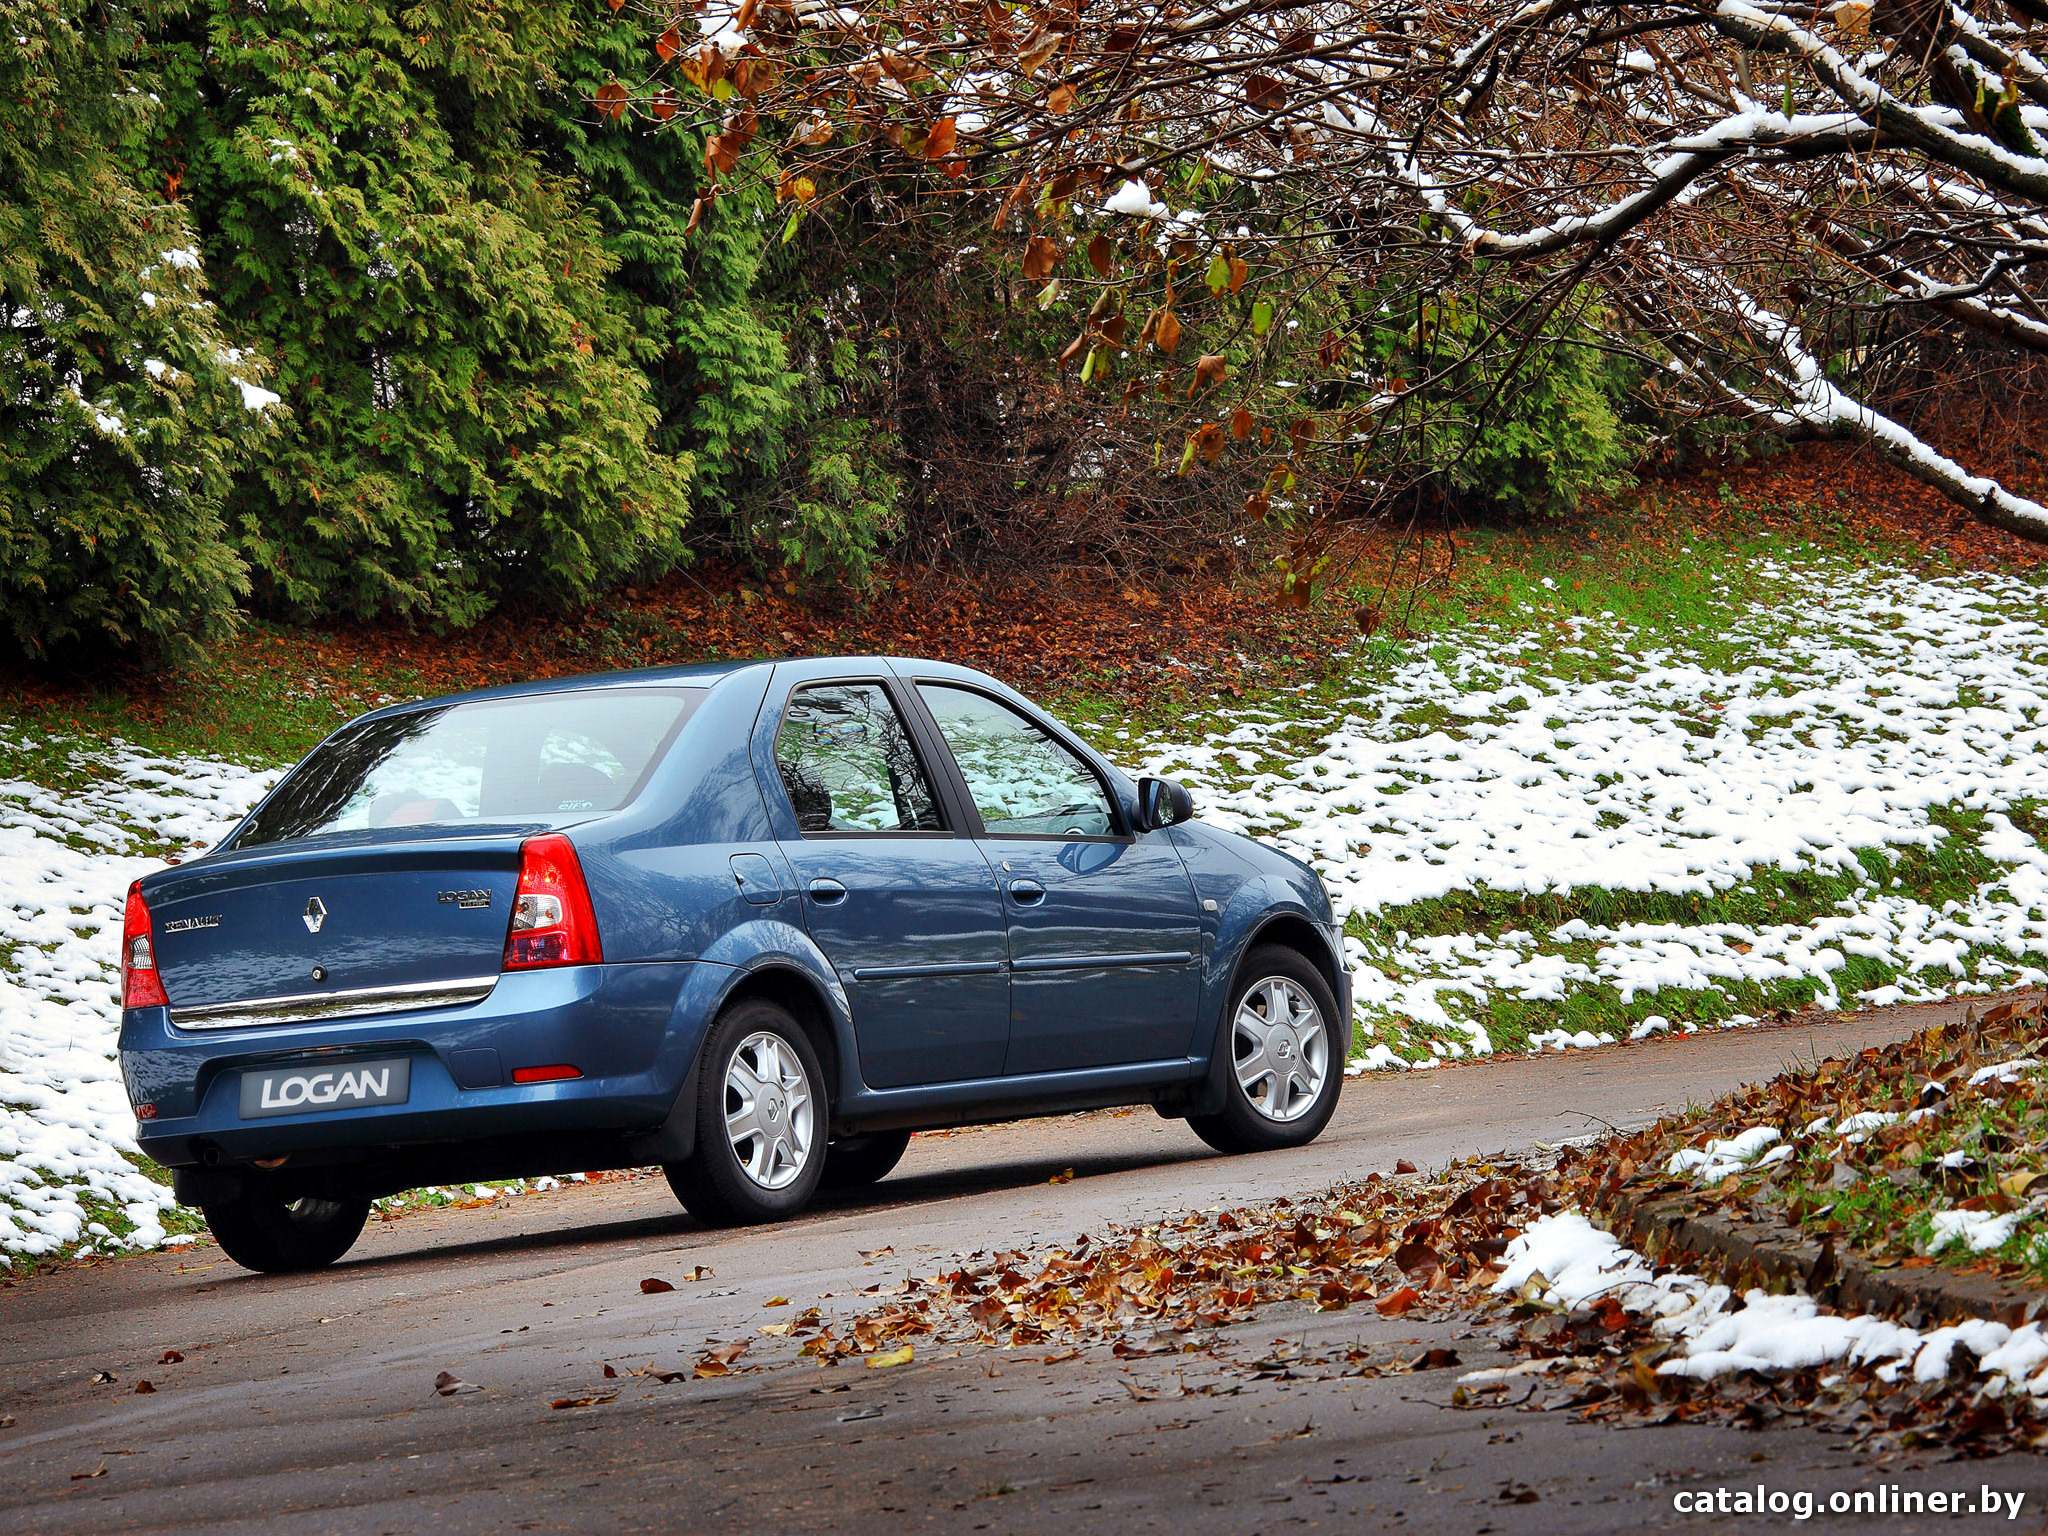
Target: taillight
pixel 141 987
pixel 552 923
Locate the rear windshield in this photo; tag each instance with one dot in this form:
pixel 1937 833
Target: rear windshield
pixel 537 757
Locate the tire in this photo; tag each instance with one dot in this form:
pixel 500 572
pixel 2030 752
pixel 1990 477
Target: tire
pixel 855 1162
pixel 786 1150
pixel 1252 1118
pixel 280 1237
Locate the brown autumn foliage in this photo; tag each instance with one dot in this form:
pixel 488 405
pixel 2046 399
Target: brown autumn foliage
pixel 1795 213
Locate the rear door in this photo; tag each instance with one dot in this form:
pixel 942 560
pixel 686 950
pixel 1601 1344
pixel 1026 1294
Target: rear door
pixel 904 906
pixel 1104 936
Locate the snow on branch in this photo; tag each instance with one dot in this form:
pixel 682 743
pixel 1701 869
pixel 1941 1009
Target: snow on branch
pixel 1871 172
pixel 1813 402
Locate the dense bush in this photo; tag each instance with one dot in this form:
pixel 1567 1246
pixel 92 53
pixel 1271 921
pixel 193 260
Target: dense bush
pixel 509 365
pixel 121 418
pixel 1529 420
pixel 471 412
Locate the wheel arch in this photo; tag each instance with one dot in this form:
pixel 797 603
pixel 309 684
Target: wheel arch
pixel 798 994
pixel 1290 927
pixel 783 967
pixel 1292 930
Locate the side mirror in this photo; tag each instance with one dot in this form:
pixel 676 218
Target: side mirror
pixel 1162 803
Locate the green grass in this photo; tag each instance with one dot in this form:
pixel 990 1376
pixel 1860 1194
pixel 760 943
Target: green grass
pixel 1952 870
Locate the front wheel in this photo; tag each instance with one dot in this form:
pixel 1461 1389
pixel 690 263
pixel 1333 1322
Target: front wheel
pixel 282 1237
pixel 1282 1048
pixel 761 1117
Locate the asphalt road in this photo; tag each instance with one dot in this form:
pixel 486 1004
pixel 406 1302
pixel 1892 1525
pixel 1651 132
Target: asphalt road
pixel 308 1403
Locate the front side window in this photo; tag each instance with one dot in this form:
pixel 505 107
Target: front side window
pixel 538 757
pixel 1023 782
pixel 848 764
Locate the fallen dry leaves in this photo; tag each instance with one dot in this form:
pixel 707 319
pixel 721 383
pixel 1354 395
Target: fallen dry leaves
pixel 1431 1247
pixel 720 1359
pixel 590 1400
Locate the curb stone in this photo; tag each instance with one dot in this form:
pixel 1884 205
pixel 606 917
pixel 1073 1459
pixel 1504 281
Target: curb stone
pixel 1753 1253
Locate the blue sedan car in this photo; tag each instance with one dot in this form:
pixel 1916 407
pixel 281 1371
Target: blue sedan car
pixel 754 923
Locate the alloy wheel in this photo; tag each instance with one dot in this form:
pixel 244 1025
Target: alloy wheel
pixel 768 1111
pixel 1280 1048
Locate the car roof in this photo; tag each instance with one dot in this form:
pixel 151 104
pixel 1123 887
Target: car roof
pixel 697 675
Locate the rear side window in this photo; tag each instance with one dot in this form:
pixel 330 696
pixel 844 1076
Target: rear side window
pixel 848 764
pixel 538 757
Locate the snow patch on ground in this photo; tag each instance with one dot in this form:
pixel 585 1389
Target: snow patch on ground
pixel 1717 1159
pixel 1978 1231
pixel 1564 1260
pixel 66 860
pixel 1812 730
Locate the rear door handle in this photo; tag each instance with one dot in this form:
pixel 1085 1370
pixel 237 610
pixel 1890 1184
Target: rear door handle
pixel 1026 892
pixel 826 892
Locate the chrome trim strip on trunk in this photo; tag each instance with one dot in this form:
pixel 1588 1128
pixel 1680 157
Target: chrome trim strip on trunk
pixel 306 1007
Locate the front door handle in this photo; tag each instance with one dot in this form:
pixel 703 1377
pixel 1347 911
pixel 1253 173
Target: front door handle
pixel 1026 892
pixel 827 892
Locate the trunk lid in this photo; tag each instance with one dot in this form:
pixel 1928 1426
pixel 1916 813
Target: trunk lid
pixel 337 914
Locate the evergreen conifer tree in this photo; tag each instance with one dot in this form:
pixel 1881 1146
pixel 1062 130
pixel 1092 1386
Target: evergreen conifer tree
pixel 472 419
pixel 123 409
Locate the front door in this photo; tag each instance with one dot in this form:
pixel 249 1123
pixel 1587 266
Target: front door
pixel 906 909
pixel 1105 941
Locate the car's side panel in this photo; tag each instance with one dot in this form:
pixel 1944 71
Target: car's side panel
pixel 1105 965
pixel 917 937
pixel 661 876
pixel 1244 888
pixel 685 902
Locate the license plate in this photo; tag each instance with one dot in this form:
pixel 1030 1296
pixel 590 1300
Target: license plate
pixel 344 1085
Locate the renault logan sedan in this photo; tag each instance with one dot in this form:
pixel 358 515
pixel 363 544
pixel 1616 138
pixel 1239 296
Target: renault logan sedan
pixel 755 923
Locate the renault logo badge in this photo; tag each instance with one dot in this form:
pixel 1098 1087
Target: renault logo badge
pixel 316 914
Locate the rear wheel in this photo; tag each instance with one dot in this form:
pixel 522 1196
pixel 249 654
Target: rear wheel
pixel 1283 1052
pixel 761 1116
pixel 855 1162
pixel 277 1237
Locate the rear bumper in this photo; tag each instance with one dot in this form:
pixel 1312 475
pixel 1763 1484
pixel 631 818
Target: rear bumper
pixel 633 1031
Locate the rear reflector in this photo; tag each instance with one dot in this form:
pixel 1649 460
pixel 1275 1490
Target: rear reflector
pixel 141 987
pixel 561 1072
pixel 552 922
